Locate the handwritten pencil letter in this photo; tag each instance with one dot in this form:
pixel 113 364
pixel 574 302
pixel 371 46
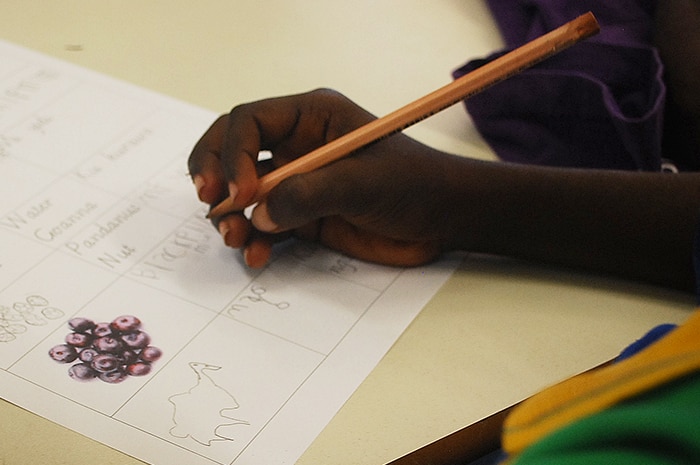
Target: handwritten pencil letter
pixel 122 315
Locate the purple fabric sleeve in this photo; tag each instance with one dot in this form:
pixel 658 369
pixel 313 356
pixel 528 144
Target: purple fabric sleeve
pixel 598 104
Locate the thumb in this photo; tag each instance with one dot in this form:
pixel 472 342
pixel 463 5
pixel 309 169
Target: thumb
pixel 302 199
pixel 260 217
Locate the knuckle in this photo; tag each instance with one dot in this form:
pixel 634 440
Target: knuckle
pixel 327 97
pixel 238 112
pixel 326 92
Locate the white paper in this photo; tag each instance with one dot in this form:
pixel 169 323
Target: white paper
pixel 99 219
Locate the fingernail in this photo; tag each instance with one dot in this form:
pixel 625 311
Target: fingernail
pixel 246 258
pixel 232 190
pixel 223 230
pixel 199 183
pixel 261 219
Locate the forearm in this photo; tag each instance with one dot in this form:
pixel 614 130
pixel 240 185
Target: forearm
pixel 636 225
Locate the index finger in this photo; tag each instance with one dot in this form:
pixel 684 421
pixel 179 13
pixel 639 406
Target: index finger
pixel 251 128
pixel 204 165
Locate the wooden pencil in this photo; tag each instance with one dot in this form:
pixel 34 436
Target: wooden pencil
pixel 470 84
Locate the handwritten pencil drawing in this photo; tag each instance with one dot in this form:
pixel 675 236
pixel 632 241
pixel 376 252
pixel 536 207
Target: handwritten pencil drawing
pixel 256 295
pixel 204 412
pixel 33 311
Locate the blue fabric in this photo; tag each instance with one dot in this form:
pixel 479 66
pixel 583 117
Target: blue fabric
pixel 645 341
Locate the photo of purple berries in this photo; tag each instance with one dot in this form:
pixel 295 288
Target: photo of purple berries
pixel 110 352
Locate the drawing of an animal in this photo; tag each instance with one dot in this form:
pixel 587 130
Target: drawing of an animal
pixel 204 412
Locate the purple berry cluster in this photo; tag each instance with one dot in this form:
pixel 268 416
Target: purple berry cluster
pixel 108 351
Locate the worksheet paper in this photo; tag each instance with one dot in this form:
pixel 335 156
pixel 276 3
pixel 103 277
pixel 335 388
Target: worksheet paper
pixel 99 220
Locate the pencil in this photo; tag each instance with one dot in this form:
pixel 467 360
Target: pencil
pixel 470 84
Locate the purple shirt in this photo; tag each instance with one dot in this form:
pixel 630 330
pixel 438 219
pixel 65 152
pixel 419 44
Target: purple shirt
pixel 599 104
